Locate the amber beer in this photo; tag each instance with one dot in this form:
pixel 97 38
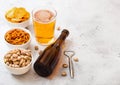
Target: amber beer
pixel 44 24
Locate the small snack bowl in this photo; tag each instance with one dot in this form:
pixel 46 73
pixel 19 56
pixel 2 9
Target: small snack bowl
pixel 18 61
pixel 18 37
pixel 17 17
pixel 21 24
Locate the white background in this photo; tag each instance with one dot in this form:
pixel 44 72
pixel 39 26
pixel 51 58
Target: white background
pixel 94 27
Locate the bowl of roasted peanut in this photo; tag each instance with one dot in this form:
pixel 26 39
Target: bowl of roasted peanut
pixel 18 61
pixel 17 17
pixel 17 37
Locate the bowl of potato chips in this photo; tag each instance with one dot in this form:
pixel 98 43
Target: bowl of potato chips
pixel 17 37
pixel 17 17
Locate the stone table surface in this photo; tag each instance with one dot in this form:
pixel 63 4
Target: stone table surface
pixel 94 27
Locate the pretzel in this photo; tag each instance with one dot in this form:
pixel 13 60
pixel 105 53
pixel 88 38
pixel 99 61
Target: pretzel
pixel 17 37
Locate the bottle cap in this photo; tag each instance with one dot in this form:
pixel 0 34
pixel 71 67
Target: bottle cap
pixel 65 31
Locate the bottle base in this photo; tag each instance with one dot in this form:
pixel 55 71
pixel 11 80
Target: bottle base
pixel 42 70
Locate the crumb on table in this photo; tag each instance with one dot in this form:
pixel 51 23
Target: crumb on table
pixel 36 48
pixel 58 28
pixel 40 52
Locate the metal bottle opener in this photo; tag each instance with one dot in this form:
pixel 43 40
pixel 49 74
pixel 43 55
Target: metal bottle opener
pixel 70 54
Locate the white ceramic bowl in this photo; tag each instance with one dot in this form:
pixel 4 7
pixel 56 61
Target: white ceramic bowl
pixel 21 24
pixel 25 45
pixel 19 71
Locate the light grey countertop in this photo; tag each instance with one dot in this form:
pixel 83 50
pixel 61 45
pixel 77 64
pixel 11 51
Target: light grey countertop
pixel 94 27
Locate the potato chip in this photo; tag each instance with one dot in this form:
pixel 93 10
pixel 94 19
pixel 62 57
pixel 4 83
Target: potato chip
pixel 20 12
pixel 10 13
pixel 17 15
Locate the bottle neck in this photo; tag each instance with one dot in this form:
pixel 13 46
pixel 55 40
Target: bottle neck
pixel 61 38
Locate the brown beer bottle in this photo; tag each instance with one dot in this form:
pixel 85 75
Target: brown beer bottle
pixel 46 62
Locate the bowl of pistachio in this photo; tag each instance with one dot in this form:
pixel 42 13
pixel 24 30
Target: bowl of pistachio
pixel 18 61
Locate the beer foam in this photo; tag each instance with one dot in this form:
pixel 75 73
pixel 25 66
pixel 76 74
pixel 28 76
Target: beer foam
pixel 43 15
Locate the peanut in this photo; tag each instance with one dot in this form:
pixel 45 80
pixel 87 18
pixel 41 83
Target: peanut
pixel 75 59
pixel 8 55
pixel 28 61
pixel 15 55
pixel 64 74
pixel 16 63
pixel 16 66
pixel 65 65
pixel 7 63
pixel 18 58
